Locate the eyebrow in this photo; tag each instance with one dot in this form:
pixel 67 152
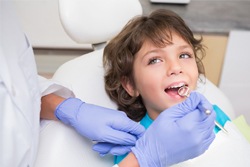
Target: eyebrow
pixel 151 51
pixel 185 46
pixel 158 49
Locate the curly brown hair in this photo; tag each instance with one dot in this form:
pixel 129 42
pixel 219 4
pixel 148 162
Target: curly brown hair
pixel 119 54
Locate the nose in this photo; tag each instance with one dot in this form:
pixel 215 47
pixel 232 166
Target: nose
pixel 174 67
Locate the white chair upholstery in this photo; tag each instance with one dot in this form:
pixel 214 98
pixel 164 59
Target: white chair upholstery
pixel 60 145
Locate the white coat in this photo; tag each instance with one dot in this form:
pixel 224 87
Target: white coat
pixel 20 94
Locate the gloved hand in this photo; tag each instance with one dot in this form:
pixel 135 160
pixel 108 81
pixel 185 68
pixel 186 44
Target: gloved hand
pixel 116 149
pixel 179 133
pixel 112 127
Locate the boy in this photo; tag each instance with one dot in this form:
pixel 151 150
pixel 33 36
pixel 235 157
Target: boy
pixel 147 63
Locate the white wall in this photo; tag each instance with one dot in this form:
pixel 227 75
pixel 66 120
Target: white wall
pixel 40 20
pixel 41 23
pixel 235 78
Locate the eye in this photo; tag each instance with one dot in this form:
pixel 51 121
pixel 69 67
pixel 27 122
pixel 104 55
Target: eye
pixel 154 60
pixel 185 56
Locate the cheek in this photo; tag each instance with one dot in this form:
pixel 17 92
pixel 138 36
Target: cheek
pixel 145 83
pixel 142 76
pixel 196 73
pixel 194 68
pixel 141 82
pixel 194 77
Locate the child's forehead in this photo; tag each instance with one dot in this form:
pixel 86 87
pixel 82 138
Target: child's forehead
pixel 151 44
pixel 162 41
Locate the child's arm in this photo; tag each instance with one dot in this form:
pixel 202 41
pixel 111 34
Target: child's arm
pixel 130 160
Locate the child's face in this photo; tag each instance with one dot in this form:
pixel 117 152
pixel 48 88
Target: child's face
pixel 159 72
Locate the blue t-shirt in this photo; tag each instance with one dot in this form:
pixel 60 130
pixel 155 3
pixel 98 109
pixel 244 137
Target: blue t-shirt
pixel 146 121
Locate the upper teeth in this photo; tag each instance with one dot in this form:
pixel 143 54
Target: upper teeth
pixel 176 86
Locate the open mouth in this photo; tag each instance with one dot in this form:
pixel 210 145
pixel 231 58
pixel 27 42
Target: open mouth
pixel 173 90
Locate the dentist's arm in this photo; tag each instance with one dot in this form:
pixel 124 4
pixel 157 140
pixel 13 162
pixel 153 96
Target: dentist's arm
pixel 94 122
pixel 48 106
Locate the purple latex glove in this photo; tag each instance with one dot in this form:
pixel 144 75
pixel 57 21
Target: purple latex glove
pixel 100 124
pixel 179 133
pixel 107 148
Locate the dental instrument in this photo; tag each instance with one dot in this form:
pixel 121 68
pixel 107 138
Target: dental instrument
pixel 184 92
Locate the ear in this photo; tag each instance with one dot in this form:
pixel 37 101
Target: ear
pixel 128 86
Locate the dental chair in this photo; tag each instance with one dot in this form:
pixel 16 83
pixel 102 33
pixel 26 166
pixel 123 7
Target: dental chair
pixel 93 22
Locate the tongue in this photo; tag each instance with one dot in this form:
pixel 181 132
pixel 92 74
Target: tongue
pixel 172 91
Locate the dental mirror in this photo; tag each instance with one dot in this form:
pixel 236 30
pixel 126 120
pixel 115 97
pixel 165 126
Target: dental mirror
pixel 183 91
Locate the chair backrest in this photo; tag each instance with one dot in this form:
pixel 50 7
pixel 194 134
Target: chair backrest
pixel 85 77
pixel 93 22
